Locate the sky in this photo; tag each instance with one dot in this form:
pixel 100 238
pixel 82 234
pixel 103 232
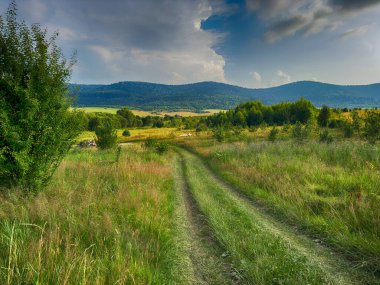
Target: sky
pixel 252 43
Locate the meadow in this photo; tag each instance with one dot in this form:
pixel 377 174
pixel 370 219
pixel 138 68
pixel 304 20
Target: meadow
pixel 243 210
pixel 142 113
pixel 104 219
pixel 329 191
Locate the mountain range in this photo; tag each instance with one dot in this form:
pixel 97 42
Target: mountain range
pixel 214 95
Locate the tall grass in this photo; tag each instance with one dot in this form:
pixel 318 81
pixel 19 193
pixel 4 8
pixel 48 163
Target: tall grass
pixel 259 255
pixel 332 191
pixel 99 222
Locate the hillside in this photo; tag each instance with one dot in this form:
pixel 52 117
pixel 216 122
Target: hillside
pixel 213 95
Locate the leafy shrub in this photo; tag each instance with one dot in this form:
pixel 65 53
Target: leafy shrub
pixel 36 126
pixel 324 116
pixel 325 137
pixel 106 136
pixel 159 146
pixel 158 124
pixel 237 131
pixel 336 123
pixel 126 133
pixel 348 130
pixel 372 127
pixel 357 122
pixel 300 132
pixel 219 134
pixel 273 134
pixel 162 147
pixel 201 127
pixel 286 128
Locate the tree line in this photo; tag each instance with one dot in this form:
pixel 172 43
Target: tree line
pixel 124 118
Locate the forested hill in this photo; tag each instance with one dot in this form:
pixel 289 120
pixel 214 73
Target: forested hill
pixel 213 95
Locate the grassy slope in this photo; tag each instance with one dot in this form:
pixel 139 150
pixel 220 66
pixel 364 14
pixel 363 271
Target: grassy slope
pixel 331 190
pixel 98 222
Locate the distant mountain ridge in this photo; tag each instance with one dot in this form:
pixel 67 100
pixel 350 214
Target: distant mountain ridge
pixel 215 95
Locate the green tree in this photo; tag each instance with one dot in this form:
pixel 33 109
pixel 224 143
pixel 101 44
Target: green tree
pixel 372 127
pixel 324 116
pixel 302 111
pixel 106 136
pixel 356 121
pixel 131 120
pixel 36 126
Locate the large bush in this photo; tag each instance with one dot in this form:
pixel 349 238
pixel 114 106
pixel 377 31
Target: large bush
pixel 372 127
pixel 324 116
pixel 106 136
pixel 36 126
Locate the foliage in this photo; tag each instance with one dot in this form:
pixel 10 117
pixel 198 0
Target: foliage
pixel 324 116
pixel 300 132
pixel 336 123
pixel 130 119
pixel 325 136
pixel 273 134
pixel 106 136
pixel 348 130
pixel 219 134
pixel 126 133
pixel 36 126
pixel 371 129
pixel 357 122
pixel 159 146
pixel 254 113
pixel 201 127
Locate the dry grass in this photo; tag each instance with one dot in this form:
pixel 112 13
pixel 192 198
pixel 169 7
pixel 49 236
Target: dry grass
pixel 99 222
pixel 332 191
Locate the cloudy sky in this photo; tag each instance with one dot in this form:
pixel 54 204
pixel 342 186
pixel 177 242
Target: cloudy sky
pixel 252 43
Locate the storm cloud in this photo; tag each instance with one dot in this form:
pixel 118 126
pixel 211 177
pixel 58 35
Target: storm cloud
pixel 134 40
pixel 285 18
pixel 240 42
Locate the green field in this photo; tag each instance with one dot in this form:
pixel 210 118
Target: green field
pixel 244 211
pixel 99 109
pixel 147 113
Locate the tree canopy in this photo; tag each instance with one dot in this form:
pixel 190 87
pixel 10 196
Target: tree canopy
pixel 36 126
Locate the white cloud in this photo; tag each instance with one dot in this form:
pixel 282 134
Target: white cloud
pixel 285 78
pixel 280 79
pixel 256 76
pixel 148 40
pixel 355 32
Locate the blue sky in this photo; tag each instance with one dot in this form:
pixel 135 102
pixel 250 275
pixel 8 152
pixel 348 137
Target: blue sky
pixel 252 43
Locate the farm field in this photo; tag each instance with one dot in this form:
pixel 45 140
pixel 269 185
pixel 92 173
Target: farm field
pixel 212 215
pixel 141 134
pixel 147 113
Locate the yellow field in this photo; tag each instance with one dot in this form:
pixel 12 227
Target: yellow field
pixel 147 113
pixel 142 134
pixel 98 109
pixel 362 113
pixel 189 114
